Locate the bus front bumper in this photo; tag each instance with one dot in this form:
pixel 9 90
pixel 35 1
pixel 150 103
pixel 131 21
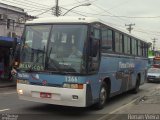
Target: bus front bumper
pixel 57 96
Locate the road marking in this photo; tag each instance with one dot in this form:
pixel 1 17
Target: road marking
pixel 118 109
pixel 4 110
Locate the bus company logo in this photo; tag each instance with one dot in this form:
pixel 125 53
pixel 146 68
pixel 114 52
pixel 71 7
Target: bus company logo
pixel 126 65
pixel 44 82
pixel 24 75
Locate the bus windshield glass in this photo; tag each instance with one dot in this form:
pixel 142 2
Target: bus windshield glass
pixel 54 47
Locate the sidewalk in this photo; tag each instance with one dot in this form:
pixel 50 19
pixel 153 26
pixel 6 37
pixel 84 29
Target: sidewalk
pixel 147 104
pixel 7 83
pixel 146 107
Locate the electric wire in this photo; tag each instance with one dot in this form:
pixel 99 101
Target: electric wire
pixel 109 14
pixel 36 10
pixel 118 5
pixel 74 12
pixel 92 1
pixel 21 4
pixel 44 12
pixel 31 3
pixel 97 12
pixel 36 3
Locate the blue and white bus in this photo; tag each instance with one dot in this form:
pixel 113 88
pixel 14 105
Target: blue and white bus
pixel 108 62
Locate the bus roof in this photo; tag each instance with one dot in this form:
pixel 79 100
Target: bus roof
pixel 75 19
pixel 63 19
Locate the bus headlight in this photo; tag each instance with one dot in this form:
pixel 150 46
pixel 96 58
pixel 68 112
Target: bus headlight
pixel 20 91
pixel 73 86
pixel 22 81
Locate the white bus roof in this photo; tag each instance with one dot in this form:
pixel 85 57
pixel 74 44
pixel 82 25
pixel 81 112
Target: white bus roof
pixel 63 19
pixel 74 19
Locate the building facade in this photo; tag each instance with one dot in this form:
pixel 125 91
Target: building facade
pixel 12 21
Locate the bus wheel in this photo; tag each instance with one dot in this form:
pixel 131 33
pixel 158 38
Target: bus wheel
pixel 103 96
pixel 136 88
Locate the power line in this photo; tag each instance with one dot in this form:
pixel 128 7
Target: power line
pixel 30 3
pixel 137 30
pixel 133 17
pixel 136 17
pixel 89 8
pixel 44 12
pixel 79 2
pixel 36 3
pixel 21 4
pixel 118 5
pixel 142 30
pixel 148 33
pixel 74 12
pixel 30 10
pixel 111 14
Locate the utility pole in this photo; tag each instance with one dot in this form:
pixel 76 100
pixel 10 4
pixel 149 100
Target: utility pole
pixel 56 10
pixel 154 43
pixel 130 28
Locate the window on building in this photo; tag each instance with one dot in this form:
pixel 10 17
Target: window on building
pixel 8 23
pixel 13 21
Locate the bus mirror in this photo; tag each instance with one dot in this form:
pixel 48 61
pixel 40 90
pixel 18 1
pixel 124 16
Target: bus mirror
pixel 11 52
pixel 17 50
pixel 14 43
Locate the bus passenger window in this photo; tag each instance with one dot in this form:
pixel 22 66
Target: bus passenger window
pixel 127 46
pixel 107 40
pixel 118 42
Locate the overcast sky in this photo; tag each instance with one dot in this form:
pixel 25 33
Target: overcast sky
pixel 143 13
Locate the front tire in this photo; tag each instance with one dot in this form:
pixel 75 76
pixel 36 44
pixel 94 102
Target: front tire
pixel 103 96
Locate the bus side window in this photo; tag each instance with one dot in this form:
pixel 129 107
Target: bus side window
pixel 107 39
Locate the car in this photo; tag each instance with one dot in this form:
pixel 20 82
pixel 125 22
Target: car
pixel 153 75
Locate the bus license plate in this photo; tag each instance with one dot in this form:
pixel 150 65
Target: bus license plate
pixel 45 95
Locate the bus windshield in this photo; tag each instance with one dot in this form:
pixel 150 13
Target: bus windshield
pixel 54 47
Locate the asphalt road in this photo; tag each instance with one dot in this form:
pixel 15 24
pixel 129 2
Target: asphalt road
pixel 11 106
